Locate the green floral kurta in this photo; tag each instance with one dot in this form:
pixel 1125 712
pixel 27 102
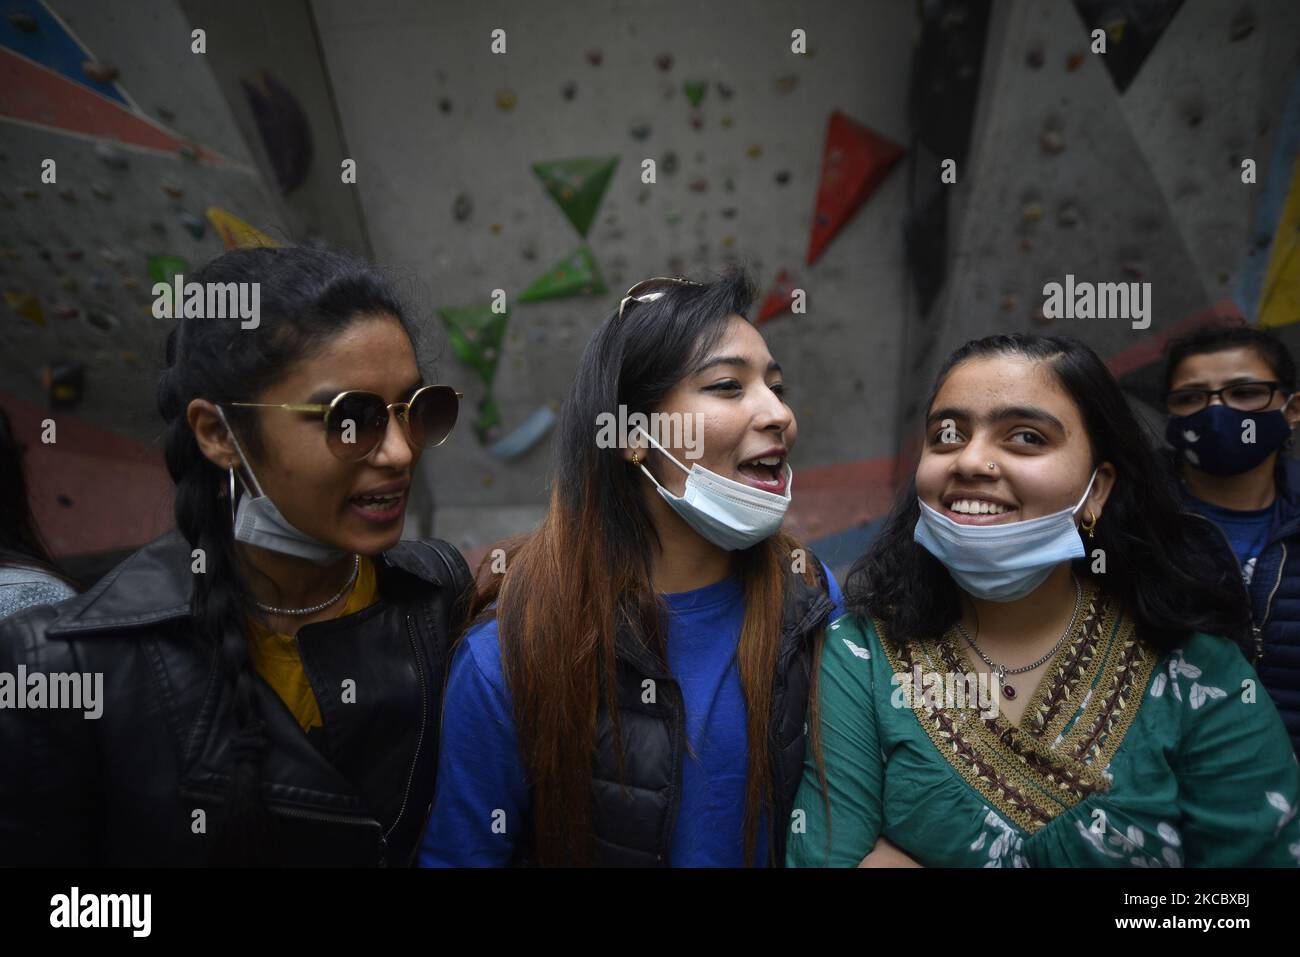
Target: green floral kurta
pixel 1125 756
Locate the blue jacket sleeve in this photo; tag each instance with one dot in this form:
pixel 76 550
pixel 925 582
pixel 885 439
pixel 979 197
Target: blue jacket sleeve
pixel 482 791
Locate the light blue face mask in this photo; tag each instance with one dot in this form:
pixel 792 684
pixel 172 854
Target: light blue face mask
pixel 1002 562
pixel 730 514
pixel 258 522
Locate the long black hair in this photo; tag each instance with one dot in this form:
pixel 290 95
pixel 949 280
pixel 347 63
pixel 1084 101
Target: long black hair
pixel 308 295
pixel 20 538
pixel 586 575
pixel 1168 567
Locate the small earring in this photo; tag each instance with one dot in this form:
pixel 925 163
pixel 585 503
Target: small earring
pixel 1090 525
pixel 636 457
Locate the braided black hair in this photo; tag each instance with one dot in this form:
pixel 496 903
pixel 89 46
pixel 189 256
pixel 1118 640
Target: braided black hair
pixel 308 294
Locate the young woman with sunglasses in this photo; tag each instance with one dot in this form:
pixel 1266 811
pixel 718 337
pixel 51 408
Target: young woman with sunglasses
pixel 634 692
pixel 1119 727
pixel 272 669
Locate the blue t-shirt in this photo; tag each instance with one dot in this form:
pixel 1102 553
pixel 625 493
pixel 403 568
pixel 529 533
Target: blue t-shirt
pixel 1247 531
pixel 482 793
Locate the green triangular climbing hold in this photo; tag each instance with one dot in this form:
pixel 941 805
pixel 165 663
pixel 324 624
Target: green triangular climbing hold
pixel 695 90
pixel 578 185
pixel 476 334
pixel 575 275
pixel 165 268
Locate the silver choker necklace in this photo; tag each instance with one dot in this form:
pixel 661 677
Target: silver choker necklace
pixel 271 609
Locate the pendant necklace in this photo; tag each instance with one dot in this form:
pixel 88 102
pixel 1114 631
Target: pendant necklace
pixel 1001 671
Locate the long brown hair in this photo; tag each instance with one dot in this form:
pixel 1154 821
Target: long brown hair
pixel 584 575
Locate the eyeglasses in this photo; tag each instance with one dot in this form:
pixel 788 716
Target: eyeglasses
pixel 1242 396
pixel 638 292
pixel 356 422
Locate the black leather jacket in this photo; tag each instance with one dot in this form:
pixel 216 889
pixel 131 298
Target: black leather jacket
pixel 144 784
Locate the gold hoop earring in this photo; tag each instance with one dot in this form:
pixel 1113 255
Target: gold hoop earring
pixel 1090 525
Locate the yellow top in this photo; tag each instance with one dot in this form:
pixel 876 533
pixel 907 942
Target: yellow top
pixel 277 658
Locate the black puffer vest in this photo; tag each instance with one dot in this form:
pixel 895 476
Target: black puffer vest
pixel 633 819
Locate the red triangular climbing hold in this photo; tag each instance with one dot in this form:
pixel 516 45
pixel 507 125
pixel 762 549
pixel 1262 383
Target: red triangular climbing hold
pixel 855 161
pixel 778 299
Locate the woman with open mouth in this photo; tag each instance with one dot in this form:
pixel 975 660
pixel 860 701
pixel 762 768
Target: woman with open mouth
pixel 634 689
pixel 272 668
pixel 1040 549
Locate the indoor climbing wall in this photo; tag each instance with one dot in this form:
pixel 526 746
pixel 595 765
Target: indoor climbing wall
pixel 1122 167
pixel 908 176
pixel 521 171
pixel 128 156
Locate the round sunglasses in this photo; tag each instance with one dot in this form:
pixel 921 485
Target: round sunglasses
pixel 356 422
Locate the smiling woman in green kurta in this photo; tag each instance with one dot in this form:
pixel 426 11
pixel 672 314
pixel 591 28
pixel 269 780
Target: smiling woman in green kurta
pixel 1124 757
pixel 1116 727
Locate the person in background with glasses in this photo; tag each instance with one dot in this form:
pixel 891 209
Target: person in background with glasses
pixel 270 672
pixel 633 692
pixel 1229 391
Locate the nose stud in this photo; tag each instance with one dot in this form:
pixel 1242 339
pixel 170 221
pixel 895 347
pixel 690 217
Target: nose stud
pixel 992 466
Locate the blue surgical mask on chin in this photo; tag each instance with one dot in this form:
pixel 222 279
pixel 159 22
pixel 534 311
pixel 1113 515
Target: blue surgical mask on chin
pixel 730 514
pixel 258 522
pixel 1002 562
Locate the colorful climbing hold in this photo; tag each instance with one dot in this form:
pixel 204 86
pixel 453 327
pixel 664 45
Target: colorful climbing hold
pixel 1051 142
pixel 23 21
pixel 575 275
pixel 196 226
pixel 234 232
pixel 26 305
pixel 855 161
pixel 111 155
pixel 779 298
pixel 99 72
pixel 578 186
pixel 462 208
pixel 475 334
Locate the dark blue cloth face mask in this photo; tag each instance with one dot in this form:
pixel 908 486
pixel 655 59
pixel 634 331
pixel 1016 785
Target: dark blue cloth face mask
pixel 1211 439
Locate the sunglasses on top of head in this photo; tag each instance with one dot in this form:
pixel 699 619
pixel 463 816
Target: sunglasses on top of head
pixel 356 422
pixel 644 291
